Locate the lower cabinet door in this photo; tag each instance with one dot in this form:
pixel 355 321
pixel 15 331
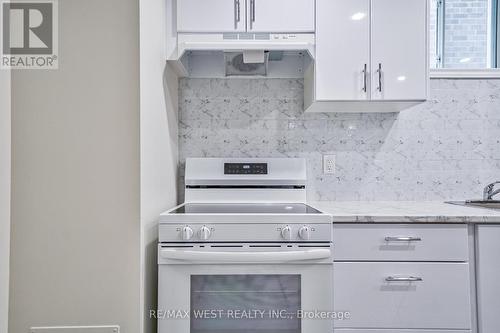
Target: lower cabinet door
pixel 393 295
pixel 488 277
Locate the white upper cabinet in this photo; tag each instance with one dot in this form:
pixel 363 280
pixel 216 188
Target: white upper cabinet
pixel 399 55
pixel 371 55
pixel 280 15
pixel 343 49
pixel 211 15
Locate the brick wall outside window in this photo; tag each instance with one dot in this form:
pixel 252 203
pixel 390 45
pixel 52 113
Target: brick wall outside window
pixel 466 33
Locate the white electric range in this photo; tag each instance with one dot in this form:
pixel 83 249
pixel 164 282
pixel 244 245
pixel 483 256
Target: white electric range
pixel 244 253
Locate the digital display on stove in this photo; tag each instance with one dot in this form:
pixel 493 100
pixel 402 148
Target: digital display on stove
pixel 245 168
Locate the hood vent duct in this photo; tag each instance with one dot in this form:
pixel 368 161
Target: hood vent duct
pixel 251 63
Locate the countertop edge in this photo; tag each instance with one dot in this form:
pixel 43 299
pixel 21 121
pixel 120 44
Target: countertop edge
pixel 405 212
pixel 416 219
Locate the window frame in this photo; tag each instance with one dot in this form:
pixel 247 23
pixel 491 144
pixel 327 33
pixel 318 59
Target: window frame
pixel 450 73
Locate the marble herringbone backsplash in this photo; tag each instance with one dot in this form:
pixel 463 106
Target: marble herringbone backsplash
pixel 447 148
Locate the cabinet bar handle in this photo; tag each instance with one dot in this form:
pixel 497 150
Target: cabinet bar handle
pixel 364 78
pixel 236 13
pixel 403 279
pixel 379 71
pixel 238 2
pixel 403 239
pixel 252 13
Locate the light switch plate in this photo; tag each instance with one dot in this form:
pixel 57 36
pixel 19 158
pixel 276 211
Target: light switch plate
pixel 76 329
pixel 328 164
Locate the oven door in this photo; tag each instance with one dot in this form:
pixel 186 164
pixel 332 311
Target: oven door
pixel 240 291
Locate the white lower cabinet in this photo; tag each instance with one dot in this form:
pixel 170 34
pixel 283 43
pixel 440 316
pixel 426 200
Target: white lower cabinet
pixel 403 278
pixel 488 277
pixel 439 298
pixel 401 242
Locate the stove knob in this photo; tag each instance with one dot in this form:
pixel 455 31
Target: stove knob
pixel 187 233
pixel 204 233
pixel 305 233
pixel 286 233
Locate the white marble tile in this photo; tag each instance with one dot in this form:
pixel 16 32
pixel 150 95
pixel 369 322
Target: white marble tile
pixel 444 149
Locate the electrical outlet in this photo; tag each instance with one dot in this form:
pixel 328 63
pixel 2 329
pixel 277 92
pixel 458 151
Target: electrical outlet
pixel 328 164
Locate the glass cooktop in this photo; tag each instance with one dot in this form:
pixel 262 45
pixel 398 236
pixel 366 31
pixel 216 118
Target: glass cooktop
pixel 245 208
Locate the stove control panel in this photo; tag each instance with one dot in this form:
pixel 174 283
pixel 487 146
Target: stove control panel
pixel 238 232
pixel 245 168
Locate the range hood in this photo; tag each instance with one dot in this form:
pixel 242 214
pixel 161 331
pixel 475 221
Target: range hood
pixel 243 54
pixel 246 41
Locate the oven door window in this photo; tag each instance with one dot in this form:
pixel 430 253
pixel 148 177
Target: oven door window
pixel 245 303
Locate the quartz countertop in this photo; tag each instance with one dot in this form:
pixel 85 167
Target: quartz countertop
pixel 404 212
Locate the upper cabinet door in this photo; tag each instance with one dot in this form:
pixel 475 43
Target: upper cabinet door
pixel 280 15
pixel 342 49
pixel 399 49
pixel 211 15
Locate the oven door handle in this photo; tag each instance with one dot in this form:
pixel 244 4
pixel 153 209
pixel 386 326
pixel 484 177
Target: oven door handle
pixel 278 256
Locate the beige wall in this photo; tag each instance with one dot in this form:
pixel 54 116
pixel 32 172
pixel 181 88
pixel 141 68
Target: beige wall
pixel 4 197
pixel 75 245
pixel 158 144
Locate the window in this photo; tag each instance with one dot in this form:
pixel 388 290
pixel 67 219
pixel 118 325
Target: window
pixel 251 303
pixel 463 34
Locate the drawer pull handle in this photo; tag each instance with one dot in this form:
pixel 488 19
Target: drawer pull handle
pixel 403 239
pixel 403 279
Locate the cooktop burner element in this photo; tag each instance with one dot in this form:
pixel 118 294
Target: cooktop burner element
pixel 245 208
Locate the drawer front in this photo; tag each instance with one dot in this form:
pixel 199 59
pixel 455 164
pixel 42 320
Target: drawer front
pixel 400 242
pixel 441 300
